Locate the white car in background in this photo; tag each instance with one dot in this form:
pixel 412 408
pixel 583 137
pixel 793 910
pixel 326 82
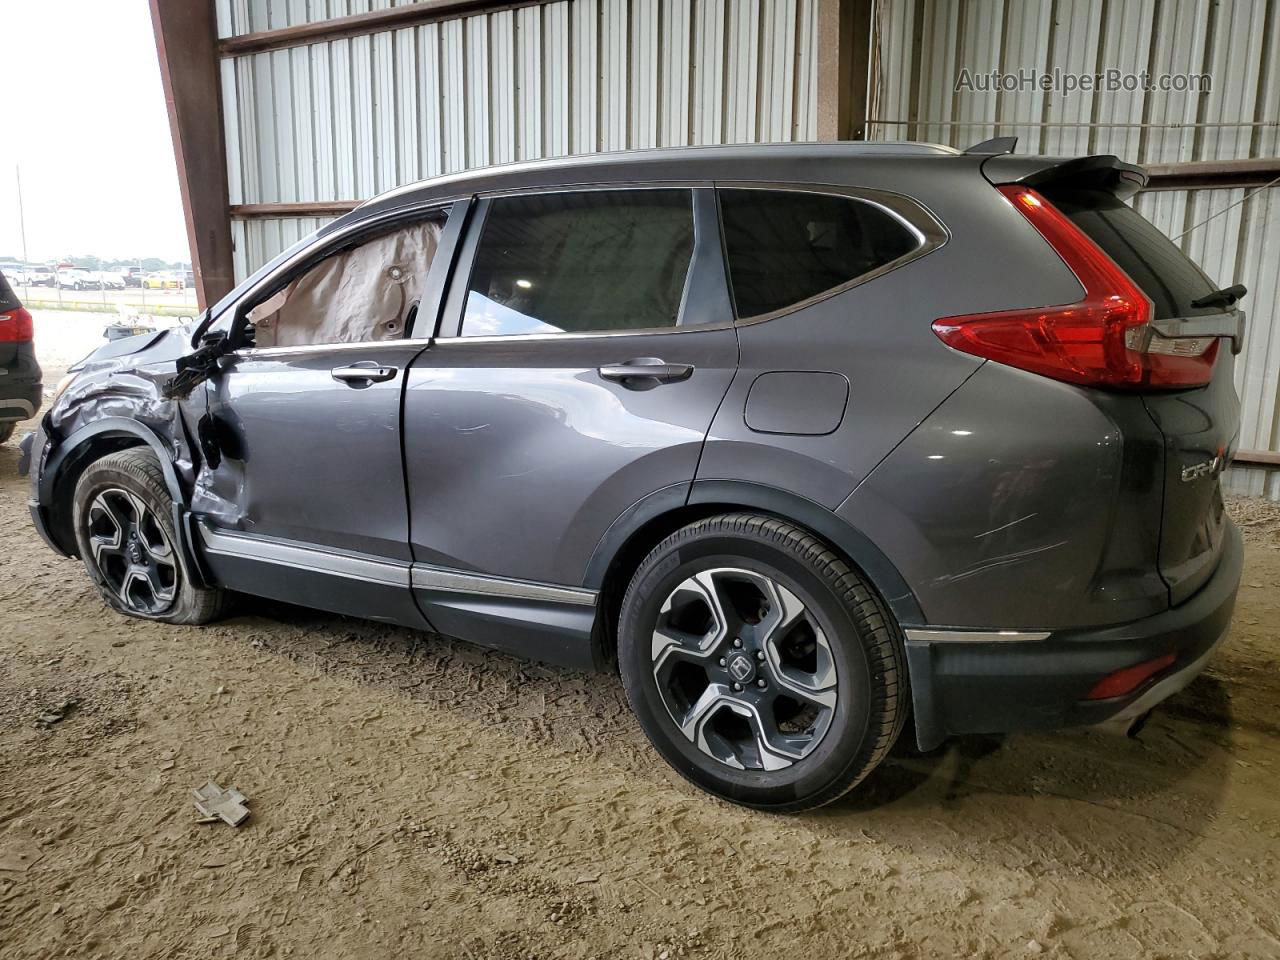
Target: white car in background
pixel 110 279
pixel 14 272
pixel 73 278
pixel 40 276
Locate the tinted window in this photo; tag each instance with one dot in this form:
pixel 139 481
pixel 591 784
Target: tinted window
pixel 785 246
pixel 8 299
pixel 595 260
pixel 1152 260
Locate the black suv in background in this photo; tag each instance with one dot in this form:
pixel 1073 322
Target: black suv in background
pixel 20 377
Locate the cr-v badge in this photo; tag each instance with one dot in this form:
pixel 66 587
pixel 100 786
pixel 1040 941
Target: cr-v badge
pixel 1206 469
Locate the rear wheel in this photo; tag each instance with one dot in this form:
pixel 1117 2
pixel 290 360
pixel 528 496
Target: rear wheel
pixel 123 517
pixel 760 664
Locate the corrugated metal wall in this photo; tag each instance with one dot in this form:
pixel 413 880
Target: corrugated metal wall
pixel 924 44
pixel 347 119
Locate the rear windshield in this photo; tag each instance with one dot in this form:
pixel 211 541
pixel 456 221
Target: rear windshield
pixel 8 299
pixel 1153 261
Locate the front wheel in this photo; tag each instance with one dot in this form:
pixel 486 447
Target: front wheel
pixel 123 517
pixel 760 664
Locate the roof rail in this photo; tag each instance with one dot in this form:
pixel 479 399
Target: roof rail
pixel 994 147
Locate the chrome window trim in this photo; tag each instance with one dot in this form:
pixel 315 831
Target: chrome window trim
pixel 932 635
pixel 293 350
pixel 442 342
pixel 929 231
pixel 420 576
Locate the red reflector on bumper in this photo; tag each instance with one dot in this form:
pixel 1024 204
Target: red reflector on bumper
pixel 1129 679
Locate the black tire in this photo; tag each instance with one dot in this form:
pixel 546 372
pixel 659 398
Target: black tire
pixel 862 642
pixel 104 502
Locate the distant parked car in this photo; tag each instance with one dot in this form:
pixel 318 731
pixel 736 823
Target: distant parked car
pixel 20 387
pixel 133 276
pixel 110 279
pixel 73 278
pixel 15 272
pixel 38 276
pixel 165 280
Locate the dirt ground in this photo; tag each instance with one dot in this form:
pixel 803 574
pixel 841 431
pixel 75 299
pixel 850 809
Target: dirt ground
pixel 414 797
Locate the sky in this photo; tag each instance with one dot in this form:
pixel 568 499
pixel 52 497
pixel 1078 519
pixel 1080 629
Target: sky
pixel 85 120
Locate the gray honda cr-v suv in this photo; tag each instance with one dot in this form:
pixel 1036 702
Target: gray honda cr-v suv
pixel 812 442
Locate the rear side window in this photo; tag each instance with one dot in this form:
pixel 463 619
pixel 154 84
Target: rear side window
pixel 786 246
pixel 579 262
pixel 1152 260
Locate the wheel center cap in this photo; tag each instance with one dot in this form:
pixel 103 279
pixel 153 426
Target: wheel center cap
pixel 741 668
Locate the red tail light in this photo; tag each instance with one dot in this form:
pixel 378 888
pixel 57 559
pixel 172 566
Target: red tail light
pixel 15 326
pixel 1129 679
pixel 1100 341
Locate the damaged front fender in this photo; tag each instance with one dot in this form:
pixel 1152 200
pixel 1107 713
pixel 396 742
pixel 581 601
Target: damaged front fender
pixel 139 390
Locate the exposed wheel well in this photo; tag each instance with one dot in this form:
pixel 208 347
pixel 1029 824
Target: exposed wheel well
pixel 64 484
pixel 633 551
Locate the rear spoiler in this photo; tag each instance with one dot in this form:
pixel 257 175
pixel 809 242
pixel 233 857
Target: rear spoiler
pixel 1103 172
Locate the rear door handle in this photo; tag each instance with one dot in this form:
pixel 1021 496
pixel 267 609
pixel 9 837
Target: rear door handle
pixel 647 369
pixel 363 373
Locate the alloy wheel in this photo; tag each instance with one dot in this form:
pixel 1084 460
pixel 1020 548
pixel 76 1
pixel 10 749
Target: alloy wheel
pixel 744 669
pixel 131 552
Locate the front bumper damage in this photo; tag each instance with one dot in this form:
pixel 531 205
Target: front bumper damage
pixel 1009 684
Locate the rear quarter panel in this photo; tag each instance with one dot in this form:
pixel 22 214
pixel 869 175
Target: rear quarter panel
pixel 1023 503
pixel 878 334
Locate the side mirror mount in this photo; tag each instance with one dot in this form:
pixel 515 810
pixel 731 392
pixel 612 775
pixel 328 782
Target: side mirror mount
pixel 197 367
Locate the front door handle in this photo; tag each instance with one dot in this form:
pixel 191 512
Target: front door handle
pixel 648 371
pixel 363 373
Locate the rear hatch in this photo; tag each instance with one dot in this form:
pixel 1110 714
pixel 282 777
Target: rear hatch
pixel 1177 354
pixel 1200 426
pixel 15 327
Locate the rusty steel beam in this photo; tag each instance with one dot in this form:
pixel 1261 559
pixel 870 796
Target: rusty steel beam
pixel 186 38
pixel 844 55
pixel 375 21
pixel 270 211
pixel 1256 458
pixel 1211 174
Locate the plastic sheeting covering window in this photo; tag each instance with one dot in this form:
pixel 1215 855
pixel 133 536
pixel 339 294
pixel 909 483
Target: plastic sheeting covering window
pixel 596 260
pixel 358 295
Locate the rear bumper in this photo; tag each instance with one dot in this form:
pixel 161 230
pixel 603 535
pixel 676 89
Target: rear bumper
pixel 985 684
pixel 20 399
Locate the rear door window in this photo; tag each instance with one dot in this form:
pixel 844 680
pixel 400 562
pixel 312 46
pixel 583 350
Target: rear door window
pixel 1152 261
pixel 591 261
pixel 787 246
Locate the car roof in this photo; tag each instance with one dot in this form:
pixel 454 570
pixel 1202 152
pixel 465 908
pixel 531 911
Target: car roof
pixel 700 163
